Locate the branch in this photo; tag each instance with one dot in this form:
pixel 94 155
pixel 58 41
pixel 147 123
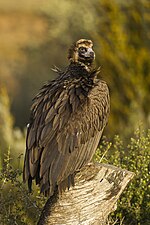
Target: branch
pixel 97 189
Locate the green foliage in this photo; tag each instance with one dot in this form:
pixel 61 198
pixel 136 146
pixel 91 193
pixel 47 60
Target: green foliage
pixel 120 31
pixel 134 204
pixel 17 205
pixel 6 122
pixel 123 48
pixel 9 137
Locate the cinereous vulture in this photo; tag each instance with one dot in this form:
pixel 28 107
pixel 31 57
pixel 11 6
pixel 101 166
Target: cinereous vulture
pixel 68 117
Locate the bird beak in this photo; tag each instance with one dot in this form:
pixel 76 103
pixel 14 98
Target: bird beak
pixel 90 53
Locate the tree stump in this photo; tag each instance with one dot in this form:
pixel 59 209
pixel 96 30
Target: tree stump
pixel 94 196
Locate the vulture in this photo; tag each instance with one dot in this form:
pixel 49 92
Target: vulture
pixel 68 117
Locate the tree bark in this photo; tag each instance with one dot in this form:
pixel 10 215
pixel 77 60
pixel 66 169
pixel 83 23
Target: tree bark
pixel 94 196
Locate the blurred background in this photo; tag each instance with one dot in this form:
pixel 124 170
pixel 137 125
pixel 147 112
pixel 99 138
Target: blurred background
pixel 35 35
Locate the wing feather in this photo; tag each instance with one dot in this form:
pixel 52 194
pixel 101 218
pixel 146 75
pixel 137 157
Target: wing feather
pixel 64 133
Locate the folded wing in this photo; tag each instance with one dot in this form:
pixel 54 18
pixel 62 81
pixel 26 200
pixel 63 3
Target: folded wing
pixel 65 129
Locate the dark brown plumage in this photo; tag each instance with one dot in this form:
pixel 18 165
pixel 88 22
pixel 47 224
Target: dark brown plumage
pixel 68 117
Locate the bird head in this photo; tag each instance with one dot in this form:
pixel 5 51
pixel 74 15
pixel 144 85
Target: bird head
pixel 82 52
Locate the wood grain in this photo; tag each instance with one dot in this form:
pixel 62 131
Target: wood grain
pixel 94 197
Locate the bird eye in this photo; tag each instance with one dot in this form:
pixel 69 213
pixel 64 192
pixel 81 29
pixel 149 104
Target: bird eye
pixel 82 49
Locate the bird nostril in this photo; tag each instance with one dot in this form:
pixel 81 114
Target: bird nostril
pixel 92 54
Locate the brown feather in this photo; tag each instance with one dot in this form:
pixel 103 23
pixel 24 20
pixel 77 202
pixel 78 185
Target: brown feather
pixel 68 118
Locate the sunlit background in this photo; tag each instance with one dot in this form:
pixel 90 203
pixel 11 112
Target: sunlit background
pixel 35 35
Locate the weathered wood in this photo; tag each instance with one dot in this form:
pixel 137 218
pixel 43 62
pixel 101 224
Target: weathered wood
pixel 97 189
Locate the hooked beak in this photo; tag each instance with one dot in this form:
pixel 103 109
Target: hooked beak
pixel 90 53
